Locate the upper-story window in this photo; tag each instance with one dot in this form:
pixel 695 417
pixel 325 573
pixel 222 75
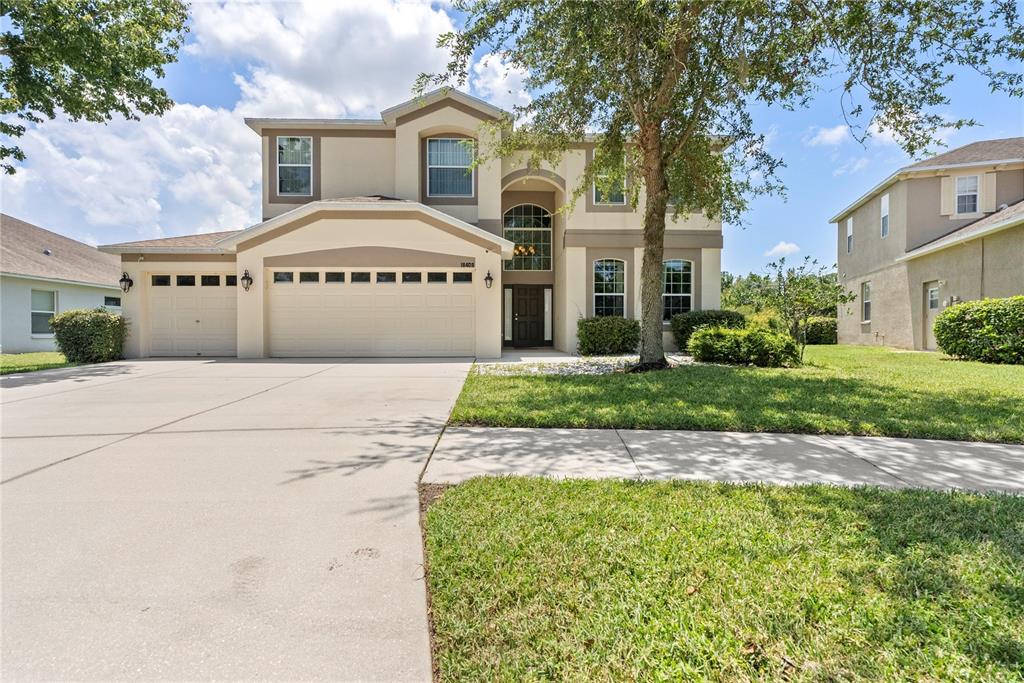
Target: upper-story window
pixel 529 226
pixel 449 167
pixel 967 194
pixel 295 165
pixel 676 287
pixel 885 216
pixel 849 235
pixel 614 196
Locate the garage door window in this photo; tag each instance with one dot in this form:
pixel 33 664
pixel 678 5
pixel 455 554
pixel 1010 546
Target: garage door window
pixel 230 280
pixel 44 307
pixel 334 277
pixel 438 277
pixel 412 277
pixel 210 280
pixel 161 280
pixel 360 277
pixel 309 277
pixel 283 277
pixel 385 278
pixel 462 277
pixel 185 280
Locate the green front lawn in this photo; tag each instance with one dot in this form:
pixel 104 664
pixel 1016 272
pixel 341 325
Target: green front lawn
pixel 29 362
pixel 534 579
pixel 840 390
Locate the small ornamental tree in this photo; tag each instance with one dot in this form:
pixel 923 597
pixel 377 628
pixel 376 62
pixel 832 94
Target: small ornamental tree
pixel 798 294
pixel 665 89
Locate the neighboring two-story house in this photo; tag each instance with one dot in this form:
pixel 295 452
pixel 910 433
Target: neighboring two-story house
pixel 380 237
pixel 943 230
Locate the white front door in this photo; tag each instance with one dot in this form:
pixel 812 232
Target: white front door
pixel 192 314
pixel 371 312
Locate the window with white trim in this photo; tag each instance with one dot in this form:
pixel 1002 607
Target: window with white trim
pixel 450 167
pixel 933 298
pixel 676 287
pixel 610 287
pixel 967 194
pixel 529 227
pixel 849 235
pixel 884 221
pixel 295 165
pixel 865 302
pixel 44 307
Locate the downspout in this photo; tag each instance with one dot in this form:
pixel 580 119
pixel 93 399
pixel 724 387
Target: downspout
pixel 982 274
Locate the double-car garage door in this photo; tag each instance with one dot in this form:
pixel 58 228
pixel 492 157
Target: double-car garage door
pixel 371 312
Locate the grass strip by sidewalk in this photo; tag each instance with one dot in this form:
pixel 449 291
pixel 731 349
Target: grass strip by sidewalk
pixel 841 390
pixel 11 363
pixel 534 579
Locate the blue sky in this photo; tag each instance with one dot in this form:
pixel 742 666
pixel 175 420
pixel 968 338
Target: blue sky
pixel 197 169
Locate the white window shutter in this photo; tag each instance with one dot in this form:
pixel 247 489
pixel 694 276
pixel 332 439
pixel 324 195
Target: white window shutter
pixel 946 203
pixel 988 192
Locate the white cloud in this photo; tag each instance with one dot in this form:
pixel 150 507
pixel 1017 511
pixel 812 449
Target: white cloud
pixel 782 249
pixel 499 83
pixel 829 137
pixel 197 168
pixel 851 166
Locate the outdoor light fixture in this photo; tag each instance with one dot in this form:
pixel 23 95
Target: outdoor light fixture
pixel 488 280
pixel 126 282
pixel 246 280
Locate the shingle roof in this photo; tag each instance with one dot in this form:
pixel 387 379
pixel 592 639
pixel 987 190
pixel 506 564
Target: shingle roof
pixel 204 239
pixel 983 150
pixel 1008 217
pixel 27 249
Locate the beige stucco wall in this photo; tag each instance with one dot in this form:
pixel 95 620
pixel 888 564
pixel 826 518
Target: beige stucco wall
pixel 337 233
pixel 355 167
pixel 871 251
pixel 890 310
pixel 1004 263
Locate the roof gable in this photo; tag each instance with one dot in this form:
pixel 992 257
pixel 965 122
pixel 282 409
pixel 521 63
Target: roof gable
pixel 439 99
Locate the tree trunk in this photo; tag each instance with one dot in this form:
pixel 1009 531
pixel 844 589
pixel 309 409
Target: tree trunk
pixel 652 349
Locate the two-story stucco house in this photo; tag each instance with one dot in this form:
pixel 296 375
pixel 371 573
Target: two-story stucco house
pixel 943 230
pixel 379 237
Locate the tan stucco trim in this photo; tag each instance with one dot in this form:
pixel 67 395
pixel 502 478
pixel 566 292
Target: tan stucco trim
pixel 492 225
pixel 365 215
pixel 272 134
pixel 527 173
pixel 446 201
pixel 354 257
pixel 177 258
pixel 626 238
pixel 441 104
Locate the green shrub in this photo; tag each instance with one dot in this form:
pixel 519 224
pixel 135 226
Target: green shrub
pixel 89 336
pixel 821 330
pixel 767 319
pixel 989 330
pixel 749 346
pixel 684 324
pixel 607 335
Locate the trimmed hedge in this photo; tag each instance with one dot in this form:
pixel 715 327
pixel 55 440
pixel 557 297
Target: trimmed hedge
pixel 89 336
pixel 989 330
pixel 684 324
pixel 749 346
pixel 821 330
pixel 608 335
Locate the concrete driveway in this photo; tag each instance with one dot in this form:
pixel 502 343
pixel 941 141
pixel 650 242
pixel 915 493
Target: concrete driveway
pixel 198 519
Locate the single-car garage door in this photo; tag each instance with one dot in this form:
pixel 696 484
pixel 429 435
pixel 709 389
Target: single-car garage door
pixel 193 314
pixel 371 312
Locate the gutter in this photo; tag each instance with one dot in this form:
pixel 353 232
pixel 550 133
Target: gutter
pixel 39 278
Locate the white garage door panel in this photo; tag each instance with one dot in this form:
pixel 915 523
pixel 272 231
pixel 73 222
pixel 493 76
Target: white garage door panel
pixel 370 319
pixel 192 321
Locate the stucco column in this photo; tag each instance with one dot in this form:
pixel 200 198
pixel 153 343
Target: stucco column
pixel 575 294
pixel 134 308
pixel 489 180
pixel 638 260
pixel 251 323
pixel 710 279
pixel 488 306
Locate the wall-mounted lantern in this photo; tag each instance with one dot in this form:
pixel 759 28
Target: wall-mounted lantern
pixel 125 282
pixel 488 279
pixel 246 280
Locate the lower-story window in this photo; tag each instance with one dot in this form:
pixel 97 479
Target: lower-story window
pixel 865 302
pixel 676 288
pixel 609 287
pixel 44 307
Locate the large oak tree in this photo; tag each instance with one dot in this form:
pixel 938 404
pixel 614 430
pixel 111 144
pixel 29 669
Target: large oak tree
pixel 666 88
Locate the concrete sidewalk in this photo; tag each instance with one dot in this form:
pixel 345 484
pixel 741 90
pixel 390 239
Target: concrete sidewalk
pixel 465 452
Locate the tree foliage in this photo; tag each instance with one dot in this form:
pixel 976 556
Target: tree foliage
pixel 664 88
pixel 89 59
